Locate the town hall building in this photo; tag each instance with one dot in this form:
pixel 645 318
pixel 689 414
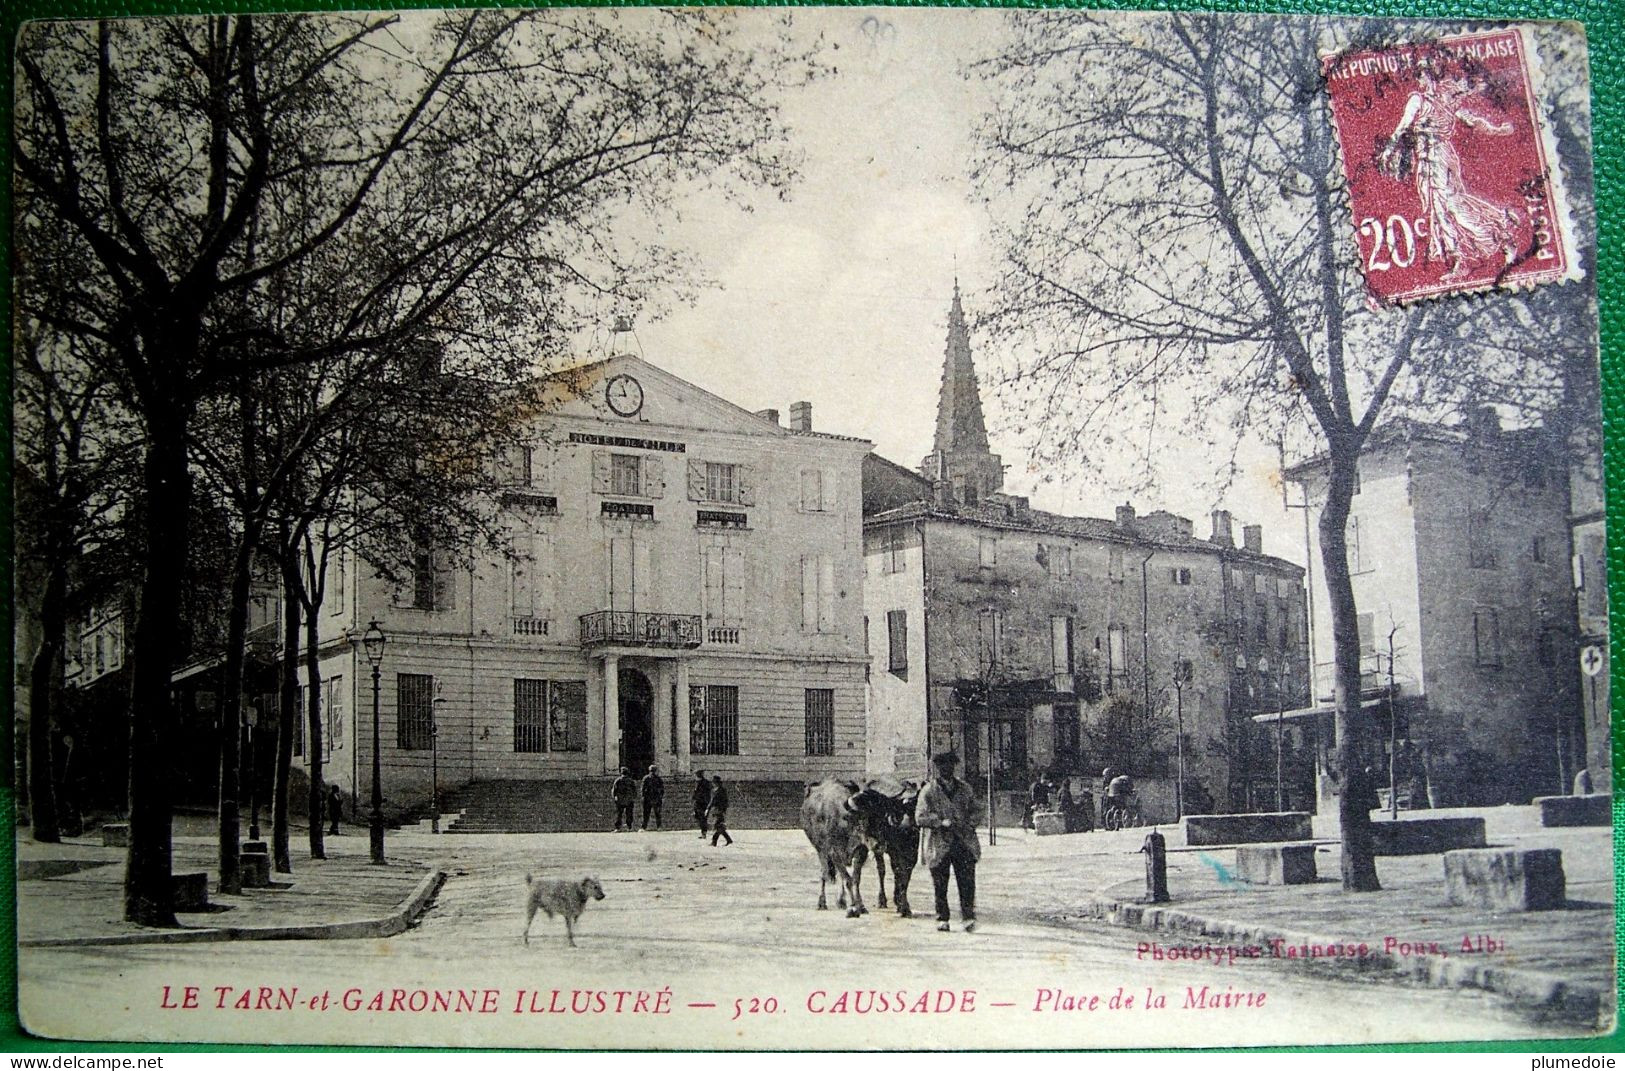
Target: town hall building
pixel 683 590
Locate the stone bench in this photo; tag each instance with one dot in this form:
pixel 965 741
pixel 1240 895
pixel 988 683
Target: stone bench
pixel 1276 864
pixel 1576 810
pixel 1270 827
pixel 1506 879
pixel 116 835
pixel 1049 823
pixel 1426 836
pixel 190 891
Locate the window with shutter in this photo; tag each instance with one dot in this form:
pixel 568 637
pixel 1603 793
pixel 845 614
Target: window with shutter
pixel 696 480
pixel 652 477
pixel 897 640
pixel 809 593
pixel 643 576
pixel 567 715
pixel 1117 657
pixel 724 587
pixel 620 573
pixel 733 586
pixel 624 474
pixel 1487 638
pixel 1480 540
pixel 1061 657
pixel 721 482
pixel 1366 625
pixel 334 740
pixel 602 470
pixel 990 634
pixel 893 562
pixel 812 490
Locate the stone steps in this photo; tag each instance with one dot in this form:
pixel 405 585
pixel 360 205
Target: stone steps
pixel 586 805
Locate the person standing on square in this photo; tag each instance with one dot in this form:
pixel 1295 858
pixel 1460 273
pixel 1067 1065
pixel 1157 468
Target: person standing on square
pixel 625 792
pixel 948 812
pixel 654 794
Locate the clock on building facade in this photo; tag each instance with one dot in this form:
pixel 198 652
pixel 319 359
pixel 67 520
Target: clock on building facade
pixel 624 395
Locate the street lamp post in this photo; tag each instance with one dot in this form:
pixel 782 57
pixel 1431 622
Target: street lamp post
pixel 373 642
pixel 1179 740
pixel 434 764
pixel 1280 715
pixel 250 717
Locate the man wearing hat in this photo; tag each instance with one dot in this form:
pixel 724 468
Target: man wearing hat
pixel 625 791
pixel 654 794
pixel 949 812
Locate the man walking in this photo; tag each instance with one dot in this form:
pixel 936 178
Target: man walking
pixel 654 794
pixel 625 792
pixel 948 811
pixel 702 801
pixel 335 804
pixel 718 811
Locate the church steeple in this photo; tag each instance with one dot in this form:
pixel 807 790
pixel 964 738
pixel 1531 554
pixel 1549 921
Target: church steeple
pixel 959 403
pixel 961 465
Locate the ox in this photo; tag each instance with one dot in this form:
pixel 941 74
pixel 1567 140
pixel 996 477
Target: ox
pixel 846 821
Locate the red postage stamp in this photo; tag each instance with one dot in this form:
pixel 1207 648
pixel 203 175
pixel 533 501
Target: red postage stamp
pixel 1452 175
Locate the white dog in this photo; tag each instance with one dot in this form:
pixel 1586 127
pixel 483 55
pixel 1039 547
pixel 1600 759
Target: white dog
pixel 568 898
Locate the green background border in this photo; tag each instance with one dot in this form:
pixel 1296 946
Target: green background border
pixel 1605 30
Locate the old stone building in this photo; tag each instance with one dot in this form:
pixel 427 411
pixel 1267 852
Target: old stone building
pixel 683 589
pixel 1035 642
pixel 1459 548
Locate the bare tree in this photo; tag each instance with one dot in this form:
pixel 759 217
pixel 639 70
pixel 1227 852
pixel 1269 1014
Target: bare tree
pixel 73 455
pixel 1181 262
pixel 256 193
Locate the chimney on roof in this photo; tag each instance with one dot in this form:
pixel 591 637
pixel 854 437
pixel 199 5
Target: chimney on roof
pixel 769 414
pixel 1223 535
pixel 1252 538
pixel 1125 515
pixel 801 416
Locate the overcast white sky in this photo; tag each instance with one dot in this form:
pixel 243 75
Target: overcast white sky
pixel 840 295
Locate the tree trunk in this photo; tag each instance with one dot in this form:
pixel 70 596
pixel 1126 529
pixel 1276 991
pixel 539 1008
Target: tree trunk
pixel 148 896
pixel 287 722
pixel 1359 868
pixel 313 672
pixel 229 727
pixel 42 674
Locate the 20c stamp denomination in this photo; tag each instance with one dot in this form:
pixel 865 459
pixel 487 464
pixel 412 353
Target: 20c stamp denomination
pixel 1452 175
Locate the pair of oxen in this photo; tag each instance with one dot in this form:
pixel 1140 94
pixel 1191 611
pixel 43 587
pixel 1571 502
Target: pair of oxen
pixel 847 821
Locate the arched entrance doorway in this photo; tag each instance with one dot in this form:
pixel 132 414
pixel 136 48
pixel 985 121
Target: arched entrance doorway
pixel 637 720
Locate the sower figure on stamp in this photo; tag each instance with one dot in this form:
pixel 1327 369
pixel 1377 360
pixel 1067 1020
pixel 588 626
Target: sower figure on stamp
pixel 1464 229
pixel 702 801
pixel 625 792
pixel 654 794
pixel 949 812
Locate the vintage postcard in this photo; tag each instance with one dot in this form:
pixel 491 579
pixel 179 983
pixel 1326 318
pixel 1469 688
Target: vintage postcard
pixel 809 528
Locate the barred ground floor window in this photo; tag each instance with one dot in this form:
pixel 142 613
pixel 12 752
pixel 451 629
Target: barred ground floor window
pixel 713 711
pixel 414 711
pixel 820 721
pixel 549 715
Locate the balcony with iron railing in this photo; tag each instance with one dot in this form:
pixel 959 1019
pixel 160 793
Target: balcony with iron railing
pixel 628 628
